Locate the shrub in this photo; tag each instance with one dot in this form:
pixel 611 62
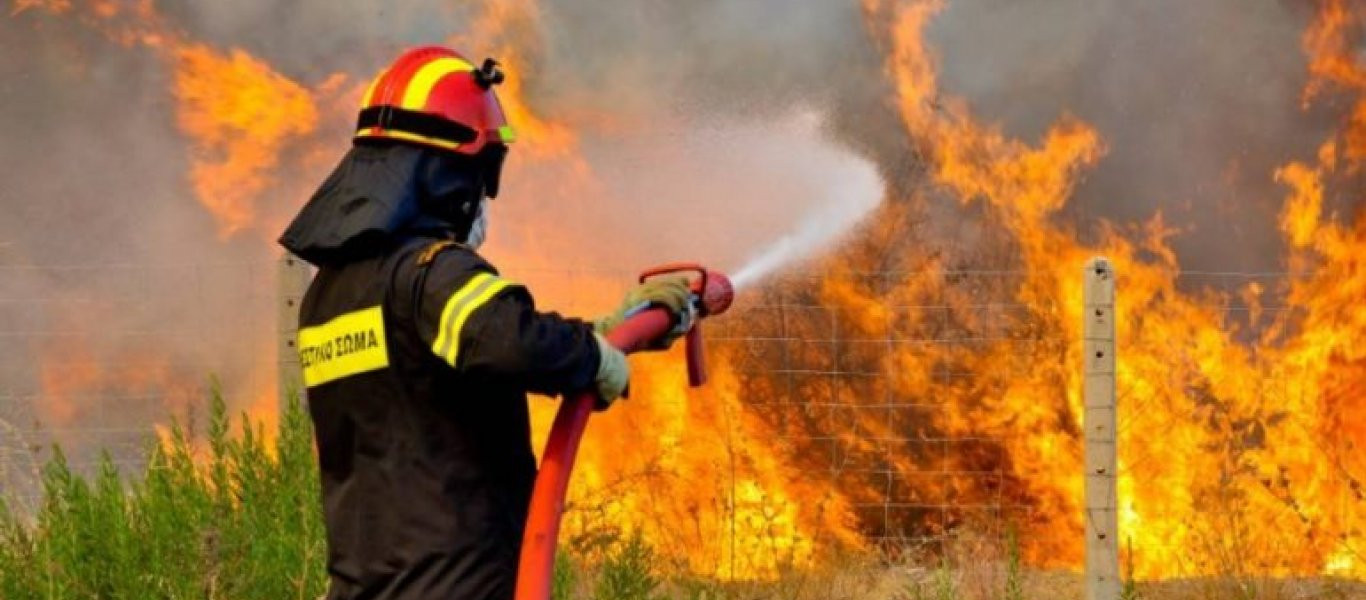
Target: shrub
pixel 244 521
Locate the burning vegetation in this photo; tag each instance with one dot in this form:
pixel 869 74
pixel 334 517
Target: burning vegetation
pixel 918 382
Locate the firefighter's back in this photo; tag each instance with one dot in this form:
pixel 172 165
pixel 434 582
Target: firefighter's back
pixel 426 470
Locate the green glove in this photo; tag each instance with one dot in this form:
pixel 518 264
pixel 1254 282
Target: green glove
pixel 672 293
pixel 614 374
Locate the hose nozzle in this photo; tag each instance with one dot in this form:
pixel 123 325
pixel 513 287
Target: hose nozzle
pixel 712 295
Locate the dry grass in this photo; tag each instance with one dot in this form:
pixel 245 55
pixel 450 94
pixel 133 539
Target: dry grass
pixel 872 581
pixel 245 525
pixel 871 577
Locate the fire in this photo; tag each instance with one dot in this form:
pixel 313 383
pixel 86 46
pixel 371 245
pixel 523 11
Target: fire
pixel 82 382
pixel 243 122
pixel 690 470
pixel 1334 62
pixel 1233 459
pixel 239 114
pixel 240 117
pixel 1241 448
pixel 508 31
pixel 55 6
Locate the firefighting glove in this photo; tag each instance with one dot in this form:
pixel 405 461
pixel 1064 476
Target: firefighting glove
pixel 614 374
pixel 672 293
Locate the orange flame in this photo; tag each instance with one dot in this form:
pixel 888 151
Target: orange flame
pixel 1232 459
pixel 240 113
pixel 509 31
pixel 690 470
pixel 1234 456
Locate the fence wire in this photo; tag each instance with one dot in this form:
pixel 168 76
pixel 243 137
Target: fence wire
pixel 93 356
pixel 903 403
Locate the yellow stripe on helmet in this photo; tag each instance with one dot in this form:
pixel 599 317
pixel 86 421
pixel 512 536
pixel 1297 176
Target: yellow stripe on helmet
pixel 426 78
pixel 369 97
pixel 394 134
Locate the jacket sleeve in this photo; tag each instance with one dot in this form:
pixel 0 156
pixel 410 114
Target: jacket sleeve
pixel 482 324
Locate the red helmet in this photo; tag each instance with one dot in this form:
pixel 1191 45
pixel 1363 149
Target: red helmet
pixel 434 97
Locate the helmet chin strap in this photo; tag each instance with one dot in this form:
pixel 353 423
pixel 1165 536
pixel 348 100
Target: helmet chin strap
pixel 479 228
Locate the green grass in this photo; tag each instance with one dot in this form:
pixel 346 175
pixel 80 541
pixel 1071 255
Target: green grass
pixel 628 573
pixel 235 514
pixel 241 521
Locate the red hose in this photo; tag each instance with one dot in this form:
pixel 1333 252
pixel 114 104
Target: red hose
pixel 536 569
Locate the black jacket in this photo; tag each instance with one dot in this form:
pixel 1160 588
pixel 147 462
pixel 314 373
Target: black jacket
pixel 417 361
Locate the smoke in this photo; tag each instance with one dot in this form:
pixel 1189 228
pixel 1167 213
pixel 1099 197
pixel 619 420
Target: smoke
pixel 1198 103
pixel 705 134
pixel 710 134
pixel 117 298
pixel 853 190
pixel 709 130
pixel 1172 86
pixel 311 39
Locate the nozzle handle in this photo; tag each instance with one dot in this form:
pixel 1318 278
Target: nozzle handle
pixel 712 290
pixel 696 356
pixel 675 267
pixel 535 576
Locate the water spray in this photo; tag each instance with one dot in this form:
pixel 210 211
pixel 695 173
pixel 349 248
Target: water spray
pixel 859 190
pixel 712 294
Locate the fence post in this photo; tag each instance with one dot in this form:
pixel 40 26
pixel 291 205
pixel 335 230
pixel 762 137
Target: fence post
pixel 1098 397
pixel 292 277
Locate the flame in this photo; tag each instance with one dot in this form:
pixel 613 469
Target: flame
pixel 1233 459
pixel 509 31
pixel 83 382
pixel 53 6
pixel 63 380
pixel 1335 63
pixel 240 114
pixel 691 471
pixel 1237 456
pixel 243 123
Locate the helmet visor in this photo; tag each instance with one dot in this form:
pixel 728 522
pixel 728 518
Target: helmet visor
pixel 491 167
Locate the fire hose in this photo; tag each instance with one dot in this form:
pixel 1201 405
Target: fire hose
pixel 711 295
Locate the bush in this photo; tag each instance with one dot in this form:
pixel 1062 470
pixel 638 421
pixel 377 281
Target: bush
pixel 628 573
pixel 242 522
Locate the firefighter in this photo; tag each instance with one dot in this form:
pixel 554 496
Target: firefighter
pixel 417 355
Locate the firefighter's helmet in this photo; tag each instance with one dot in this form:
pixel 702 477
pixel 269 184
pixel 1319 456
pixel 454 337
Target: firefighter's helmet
pixel 433 96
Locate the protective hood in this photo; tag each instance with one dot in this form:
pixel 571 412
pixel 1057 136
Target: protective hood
pixel 380 195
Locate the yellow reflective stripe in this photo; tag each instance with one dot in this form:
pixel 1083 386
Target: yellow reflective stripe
pixel 474 294
pixel 412 137
pixel 506 134
pixel 422 82
pixel 442 336
pixel 349 344
pixel 465 312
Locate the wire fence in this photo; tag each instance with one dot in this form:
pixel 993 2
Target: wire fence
pixel 937 404
pixel 93 356
pixel 835 380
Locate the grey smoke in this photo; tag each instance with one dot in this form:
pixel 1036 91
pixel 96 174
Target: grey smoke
pixel 1197 102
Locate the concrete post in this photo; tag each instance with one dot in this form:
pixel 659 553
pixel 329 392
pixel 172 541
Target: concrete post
pixel 292 277
pixel 1103 581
